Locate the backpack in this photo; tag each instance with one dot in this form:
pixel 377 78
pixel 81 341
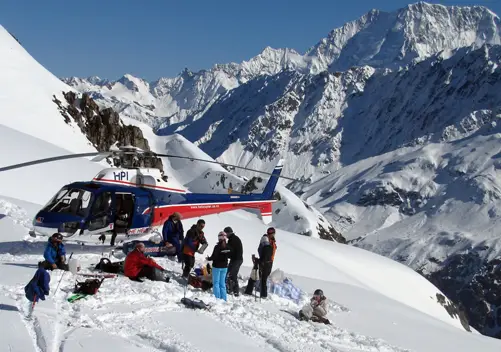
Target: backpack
pixel 194 303
pixel 254 275
pixel 108 267
pixel 194 281
pixel 88 287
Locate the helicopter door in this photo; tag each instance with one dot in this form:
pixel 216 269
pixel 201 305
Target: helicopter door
pixel 101 214
pixel 141 220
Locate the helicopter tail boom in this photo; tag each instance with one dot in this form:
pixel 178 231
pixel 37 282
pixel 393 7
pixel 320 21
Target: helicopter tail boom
pixel 200 204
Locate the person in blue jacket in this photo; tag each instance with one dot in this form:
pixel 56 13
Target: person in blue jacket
pixel 38 287
pixel 55 253
pixel 173 233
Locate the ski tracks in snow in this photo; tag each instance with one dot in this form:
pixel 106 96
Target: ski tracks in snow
pixel 138 312
pixel 150 316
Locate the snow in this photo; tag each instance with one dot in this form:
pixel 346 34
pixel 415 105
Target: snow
pixel 27 106
pixel 35 183
pixel 148 316
pixel 453 180
pixel 376 304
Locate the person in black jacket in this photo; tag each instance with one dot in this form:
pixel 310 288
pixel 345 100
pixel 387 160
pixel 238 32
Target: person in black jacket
pixel 219 259
pixel 266 250
pixel 236 260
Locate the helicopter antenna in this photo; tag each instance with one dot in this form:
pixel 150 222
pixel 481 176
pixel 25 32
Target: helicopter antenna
pixel 98 156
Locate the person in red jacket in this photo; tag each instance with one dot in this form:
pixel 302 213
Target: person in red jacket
pixel 138 265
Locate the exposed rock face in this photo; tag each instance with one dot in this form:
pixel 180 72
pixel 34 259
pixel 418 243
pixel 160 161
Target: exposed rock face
pixel 330 234
pixel 103 127
pixel 377 194
pixel 474 284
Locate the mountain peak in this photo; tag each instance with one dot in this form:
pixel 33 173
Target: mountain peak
pixel 407 35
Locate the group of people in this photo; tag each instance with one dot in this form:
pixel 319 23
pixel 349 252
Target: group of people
pixel 226 257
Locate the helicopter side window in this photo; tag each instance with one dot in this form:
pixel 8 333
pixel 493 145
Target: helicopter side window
pixel 102 204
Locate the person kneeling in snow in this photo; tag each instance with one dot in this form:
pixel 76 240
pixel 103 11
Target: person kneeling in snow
pixel 317 309
pixel 137 265
pixel 55 253
pixel 38 287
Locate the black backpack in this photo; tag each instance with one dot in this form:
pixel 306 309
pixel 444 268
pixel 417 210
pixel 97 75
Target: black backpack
pixel 108 267
pixel 88 287
pixel 194 303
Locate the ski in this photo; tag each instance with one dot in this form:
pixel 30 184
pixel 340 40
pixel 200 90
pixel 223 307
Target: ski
pixel 106 276
pixel 76 297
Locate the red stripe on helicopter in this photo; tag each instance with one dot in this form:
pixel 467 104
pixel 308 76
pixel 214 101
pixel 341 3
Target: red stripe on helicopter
pixel 187 211
pixel 133 184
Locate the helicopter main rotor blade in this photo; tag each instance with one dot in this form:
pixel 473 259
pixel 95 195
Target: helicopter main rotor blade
pixel 98 156
pixel 225 164
pixel 48 160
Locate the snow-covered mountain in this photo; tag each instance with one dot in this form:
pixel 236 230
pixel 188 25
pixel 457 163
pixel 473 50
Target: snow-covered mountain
pixel 379 39
pixel 376 304
pixel 408 35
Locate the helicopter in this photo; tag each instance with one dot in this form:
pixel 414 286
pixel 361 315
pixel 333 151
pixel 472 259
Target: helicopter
pixel 134 200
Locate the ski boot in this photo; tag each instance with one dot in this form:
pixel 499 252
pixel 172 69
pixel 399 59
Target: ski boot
pixel 302 316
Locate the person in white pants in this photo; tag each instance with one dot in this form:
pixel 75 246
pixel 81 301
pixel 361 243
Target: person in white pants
pixel 317 309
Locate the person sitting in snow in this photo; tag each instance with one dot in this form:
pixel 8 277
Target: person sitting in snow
pixel 219 259
pixel 38 287
pixel 138 265
pixel 194 237
pixel 55 253
pixel 173 233
pixel 317 309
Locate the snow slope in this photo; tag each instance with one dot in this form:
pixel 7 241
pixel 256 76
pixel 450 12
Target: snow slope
pixel 420 205
pixel 27 106
pixel 377 304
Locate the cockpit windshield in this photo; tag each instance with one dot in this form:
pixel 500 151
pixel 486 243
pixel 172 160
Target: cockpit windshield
pixel 72 201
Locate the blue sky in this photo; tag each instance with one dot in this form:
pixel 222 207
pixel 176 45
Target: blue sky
pixel 159 38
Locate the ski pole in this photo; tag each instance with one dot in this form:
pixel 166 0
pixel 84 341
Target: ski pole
pixel 33 304
pixel 62 276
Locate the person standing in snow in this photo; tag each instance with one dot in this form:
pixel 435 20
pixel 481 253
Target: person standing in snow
pixel 236 260
pixel 219 260
pixel 38 287
pixel 173 233
pixel 55 253
pixel 266 250
pixel 194 238
pixel 317 309
pixel 138 265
